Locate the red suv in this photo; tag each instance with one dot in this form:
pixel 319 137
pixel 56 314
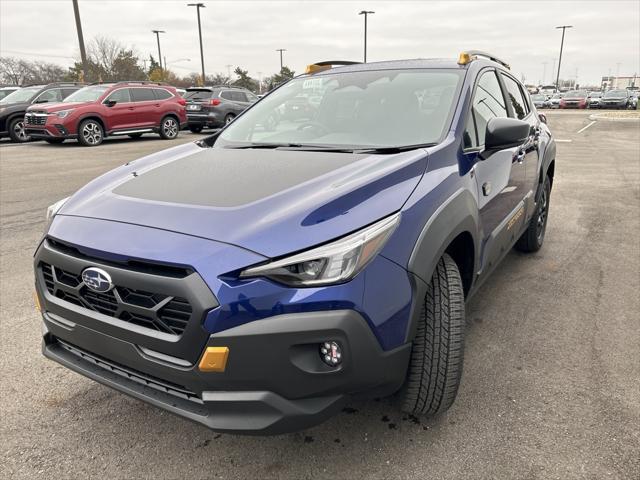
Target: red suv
pixel 100 110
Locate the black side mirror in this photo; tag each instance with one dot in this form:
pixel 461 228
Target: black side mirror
pixel 504 133
pixel 110 103
pixel 542 117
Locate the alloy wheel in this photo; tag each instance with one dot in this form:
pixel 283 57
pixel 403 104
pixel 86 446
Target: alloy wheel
pixel 92 133
pixel 170 128
pixel 20 132
pixel 542 216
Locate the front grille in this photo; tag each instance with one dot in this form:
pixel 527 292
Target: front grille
pixel 131 374
pixel 155 311
pixel 31 119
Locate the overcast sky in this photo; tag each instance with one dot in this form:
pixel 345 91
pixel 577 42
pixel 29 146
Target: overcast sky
pixel 246 33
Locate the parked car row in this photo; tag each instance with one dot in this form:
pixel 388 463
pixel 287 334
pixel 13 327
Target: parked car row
pixel 618 99
pixel 90 113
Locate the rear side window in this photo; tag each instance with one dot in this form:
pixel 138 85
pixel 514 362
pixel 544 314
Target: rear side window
pixel 68 91
pixel 239 96
pixel 120 96
pixel 227 95
pixel 162 94
pixel 142 94
pixel 515 97
pixel 488 102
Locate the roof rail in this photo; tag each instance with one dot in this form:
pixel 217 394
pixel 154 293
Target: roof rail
pixel 470 55
pixel 326 65
pixel 128 82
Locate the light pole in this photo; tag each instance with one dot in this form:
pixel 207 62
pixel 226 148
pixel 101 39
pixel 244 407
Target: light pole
pixel 83 53
pixel 544 71
pixel 281 50
pixel 198 7
pixel 366 13
pixel 563 27
pixel 158 32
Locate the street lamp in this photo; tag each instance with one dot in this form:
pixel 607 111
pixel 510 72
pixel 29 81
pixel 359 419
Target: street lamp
pixel 198 7
pixel 281 50
pixel 365 13
pixel 158 32
pixel 563 27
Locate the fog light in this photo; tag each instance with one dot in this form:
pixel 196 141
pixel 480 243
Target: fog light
pixel 331 353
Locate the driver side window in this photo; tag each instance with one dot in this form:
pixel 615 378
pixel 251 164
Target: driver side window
pixel 488 102
pixel 48 96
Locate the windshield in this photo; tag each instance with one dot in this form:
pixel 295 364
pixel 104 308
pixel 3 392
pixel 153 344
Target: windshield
pixel 576 94
pixel 374 109
pixel 87 94
pixel 616 93
pixel 22 95
pixel 595 94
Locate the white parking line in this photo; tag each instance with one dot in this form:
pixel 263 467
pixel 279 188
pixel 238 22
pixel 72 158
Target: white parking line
pixel 561 140
pixel 584 128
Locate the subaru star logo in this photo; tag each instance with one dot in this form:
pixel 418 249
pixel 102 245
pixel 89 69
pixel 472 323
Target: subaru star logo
pixel 97 280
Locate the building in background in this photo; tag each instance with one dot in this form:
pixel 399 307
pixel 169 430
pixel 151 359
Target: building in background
pixel 620 83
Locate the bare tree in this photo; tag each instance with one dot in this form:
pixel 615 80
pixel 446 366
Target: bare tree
pixel 14 71
pixel 104 51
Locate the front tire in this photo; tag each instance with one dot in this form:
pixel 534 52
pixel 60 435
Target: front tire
pixel 17 131
pixel 533 238
pixel 435 368
pixel 169 128
pixel 90 133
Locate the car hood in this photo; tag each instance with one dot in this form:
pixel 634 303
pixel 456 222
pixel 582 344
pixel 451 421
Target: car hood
pixel 13 107
pixel 272 202
pixel 56 107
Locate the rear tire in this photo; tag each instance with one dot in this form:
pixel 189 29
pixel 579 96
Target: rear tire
pixel 90 133
pixel 169 128
pixel 196 129
pixel 54 141
pixel 229 118
pixel 17 131
pixel 533 238
pixel 437 355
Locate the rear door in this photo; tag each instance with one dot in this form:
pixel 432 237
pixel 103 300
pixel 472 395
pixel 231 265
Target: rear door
pixel 241 100
pixel 146 106
pixel 500 178
pixel 122 115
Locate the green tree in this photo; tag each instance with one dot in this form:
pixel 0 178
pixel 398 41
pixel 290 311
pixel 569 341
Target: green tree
pixel 285 74
pixel 244 80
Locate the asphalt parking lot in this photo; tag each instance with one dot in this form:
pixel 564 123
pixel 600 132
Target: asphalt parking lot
pixel 552 365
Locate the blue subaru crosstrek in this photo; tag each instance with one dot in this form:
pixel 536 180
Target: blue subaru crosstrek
pixel 254 280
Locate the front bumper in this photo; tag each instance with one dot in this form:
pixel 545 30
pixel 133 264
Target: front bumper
pixel 49 131
pixel 274 382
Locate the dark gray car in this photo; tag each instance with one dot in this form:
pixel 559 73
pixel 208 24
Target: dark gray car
pixel 215 106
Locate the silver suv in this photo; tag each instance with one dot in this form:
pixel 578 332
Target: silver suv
pixel 215 106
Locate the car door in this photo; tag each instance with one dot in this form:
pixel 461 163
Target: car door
pixel 230 105
pixel 241 100
pixel 146 106
pixel 529 152
pixel 122 114
pixel 500 178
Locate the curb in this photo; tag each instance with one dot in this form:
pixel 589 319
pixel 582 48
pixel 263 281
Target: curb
pixel 614 119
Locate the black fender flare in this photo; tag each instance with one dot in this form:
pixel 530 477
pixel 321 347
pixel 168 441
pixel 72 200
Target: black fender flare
pixel 92 115
pixel 458 214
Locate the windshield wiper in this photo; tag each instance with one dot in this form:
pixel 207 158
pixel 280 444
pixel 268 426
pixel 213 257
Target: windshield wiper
pixel 397 149
pixel 293 146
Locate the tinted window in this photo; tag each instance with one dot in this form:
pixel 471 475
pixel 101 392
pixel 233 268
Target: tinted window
pixel 227 95
pixel 251 97
pixel 488 103
pixel 68 91
pixel 515 97
pixel 198 94
pixel 239 96
pixel 48 96
pixel 120 96
pixel 142 94
pixel 162 94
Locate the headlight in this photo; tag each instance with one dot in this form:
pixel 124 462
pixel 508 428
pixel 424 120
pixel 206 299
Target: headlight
pixel 336 262
pixel 63 113
pixel 52 210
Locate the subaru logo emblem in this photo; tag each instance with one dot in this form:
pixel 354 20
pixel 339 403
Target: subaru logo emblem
pixel 97 280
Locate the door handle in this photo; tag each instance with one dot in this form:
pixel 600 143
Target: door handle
pixel 157 105
pixel 132 108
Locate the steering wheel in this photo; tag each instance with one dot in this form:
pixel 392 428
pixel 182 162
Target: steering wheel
pixel 322 130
